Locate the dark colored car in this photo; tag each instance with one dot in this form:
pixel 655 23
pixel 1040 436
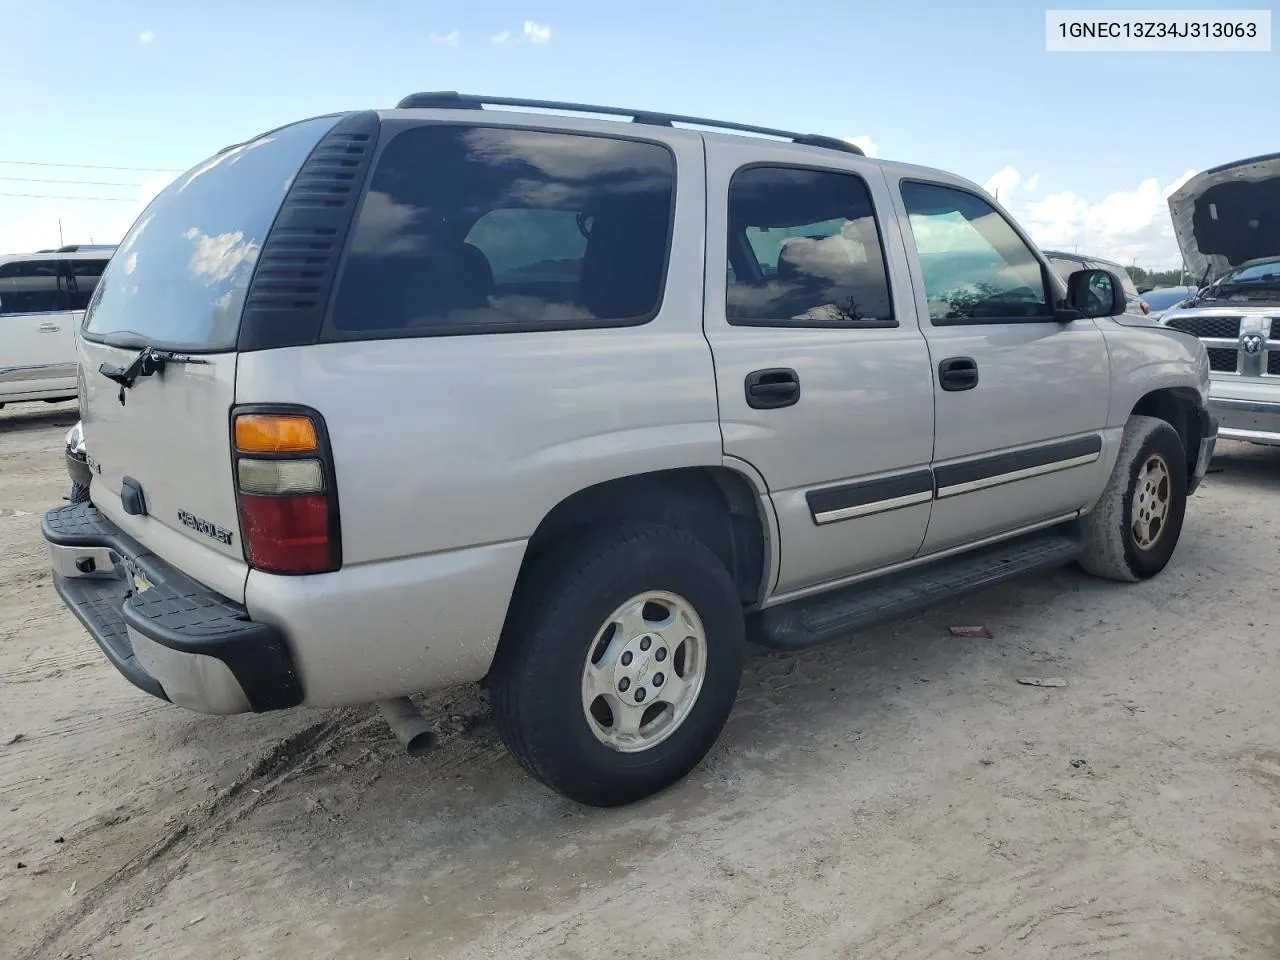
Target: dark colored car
pixel 1162 298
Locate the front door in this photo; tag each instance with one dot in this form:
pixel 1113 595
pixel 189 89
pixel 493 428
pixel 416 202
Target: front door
pixel 821 370
pixel 1021 397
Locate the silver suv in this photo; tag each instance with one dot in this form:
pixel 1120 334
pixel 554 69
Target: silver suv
pixel 379 402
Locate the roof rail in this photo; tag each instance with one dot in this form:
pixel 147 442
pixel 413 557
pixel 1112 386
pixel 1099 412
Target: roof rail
pixel 74 247
pixel 452 100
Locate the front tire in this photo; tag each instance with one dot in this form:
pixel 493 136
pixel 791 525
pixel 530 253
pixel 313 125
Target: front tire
pixel 619 664
pixel 1132 531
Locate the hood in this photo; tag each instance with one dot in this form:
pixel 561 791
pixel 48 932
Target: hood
pixel 1227 215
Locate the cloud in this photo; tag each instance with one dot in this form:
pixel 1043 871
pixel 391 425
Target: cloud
pixel 502 37
pixel 1127 226
pixel 864 141
pixel 449 39
pixel 536 32
pixel 217 258
pixel 1004 182
pixel 146 36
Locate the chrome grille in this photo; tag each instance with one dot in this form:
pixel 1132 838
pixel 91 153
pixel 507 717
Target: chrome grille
pixel 1273 363
pixel 1222 359
pixel 1275 328
pixel 1227 328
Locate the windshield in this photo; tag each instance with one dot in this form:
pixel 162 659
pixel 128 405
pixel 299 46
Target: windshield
pixel 1266 272
pixel 179 277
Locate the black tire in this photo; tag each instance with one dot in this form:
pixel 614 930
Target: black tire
pixel 1112 550
pixel 78 493
pixel 559 607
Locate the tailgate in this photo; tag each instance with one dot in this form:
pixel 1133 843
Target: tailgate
pixel 170 439
pixel 177 285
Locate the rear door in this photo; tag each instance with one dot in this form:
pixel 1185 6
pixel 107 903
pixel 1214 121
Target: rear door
pixel 37 352
pixel 178 281
pixel 821 369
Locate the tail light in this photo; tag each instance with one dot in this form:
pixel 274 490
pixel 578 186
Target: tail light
pixel 1146 307
pixel 285 490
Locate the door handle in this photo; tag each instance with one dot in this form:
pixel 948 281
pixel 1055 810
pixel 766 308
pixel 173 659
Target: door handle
pixel 772 388
pixel 50 327
pixel 958 373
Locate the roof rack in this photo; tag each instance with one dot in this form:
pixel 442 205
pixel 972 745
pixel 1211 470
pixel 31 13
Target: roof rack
pixel 74 247
pixel 452 100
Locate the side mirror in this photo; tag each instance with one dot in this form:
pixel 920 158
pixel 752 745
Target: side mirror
pixel 1094 293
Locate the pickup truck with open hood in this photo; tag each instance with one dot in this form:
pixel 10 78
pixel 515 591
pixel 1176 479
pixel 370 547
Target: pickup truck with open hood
pixel 1227 221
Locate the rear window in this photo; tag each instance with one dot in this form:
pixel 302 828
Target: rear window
pixel 180 275
pixel 470 229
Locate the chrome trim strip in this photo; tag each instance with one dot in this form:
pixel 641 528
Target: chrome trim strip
pixel 1246 406
pixel 1253 436
pixel 876 506
pixel 37 371
pixel 1003 478
pixel 916 561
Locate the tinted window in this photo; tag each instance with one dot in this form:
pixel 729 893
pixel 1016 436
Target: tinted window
pixel 976 267
pixel 30 287
pixel 85 275
pixel 804 248
pixel 479 229
pixel 1065 268
pixel 1129 288
pixel 180 275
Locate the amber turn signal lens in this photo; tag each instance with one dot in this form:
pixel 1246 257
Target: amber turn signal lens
pixel 275 433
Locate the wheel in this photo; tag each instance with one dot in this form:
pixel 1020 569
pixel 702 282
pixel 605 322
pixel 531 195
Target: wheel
pixel 78 493
pixel 619 664
pixel 1132 531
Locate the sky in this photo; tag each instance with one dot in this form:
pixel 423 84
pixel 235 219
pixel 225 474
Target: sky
pixel 105 101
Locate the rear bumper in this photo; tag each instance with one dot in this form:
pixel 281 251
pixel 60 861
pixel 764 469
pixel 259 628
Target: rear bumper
pixel 1257 421
pixel 1208 442
pixel 166 633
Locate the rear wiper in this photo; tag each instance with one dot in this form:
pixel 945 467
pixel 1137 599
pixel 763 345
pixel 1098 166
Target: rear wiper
pixel 148 361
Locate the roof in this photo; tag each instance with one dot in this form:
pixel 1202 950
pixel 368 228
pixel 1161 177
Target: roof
pixel 452 100
pixel 87 253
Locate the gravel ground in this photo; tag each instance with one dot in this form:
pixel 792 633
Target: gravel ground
pixel 896 796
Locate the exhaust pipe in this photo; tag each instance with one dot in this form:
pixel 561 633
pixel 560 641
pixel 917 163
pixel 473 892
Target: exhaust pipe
pixel 408 724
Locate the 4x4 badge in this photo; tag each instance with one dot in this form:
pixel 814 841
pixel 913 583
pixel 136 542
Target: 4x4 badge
pixel 1251 343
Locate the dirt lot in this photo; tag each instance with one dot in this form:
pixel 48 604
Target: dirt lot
pixel 900 796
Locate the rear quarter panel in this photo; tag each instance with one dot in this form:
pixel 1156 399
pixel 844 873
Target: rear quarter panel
pixel 447 442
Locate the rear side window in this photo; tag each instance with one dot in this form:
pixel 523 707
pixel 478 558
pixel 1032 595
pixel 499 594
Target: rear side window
pixel 179 277
pixel 804 250
pixel 481 229
pixel 85 275
pixel 30 286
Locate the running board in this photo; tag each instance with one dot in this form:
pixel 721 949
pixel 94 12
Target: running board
pixel 831 616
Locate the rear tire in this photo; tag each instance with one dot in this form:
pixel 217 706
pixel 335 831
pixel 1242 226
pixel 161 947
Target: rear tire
pixel 619 663
pixel 1133 529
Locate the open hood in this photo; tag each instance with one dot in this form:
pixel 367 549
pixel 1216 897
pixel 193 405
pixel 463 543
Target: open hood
pixel 1227 215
